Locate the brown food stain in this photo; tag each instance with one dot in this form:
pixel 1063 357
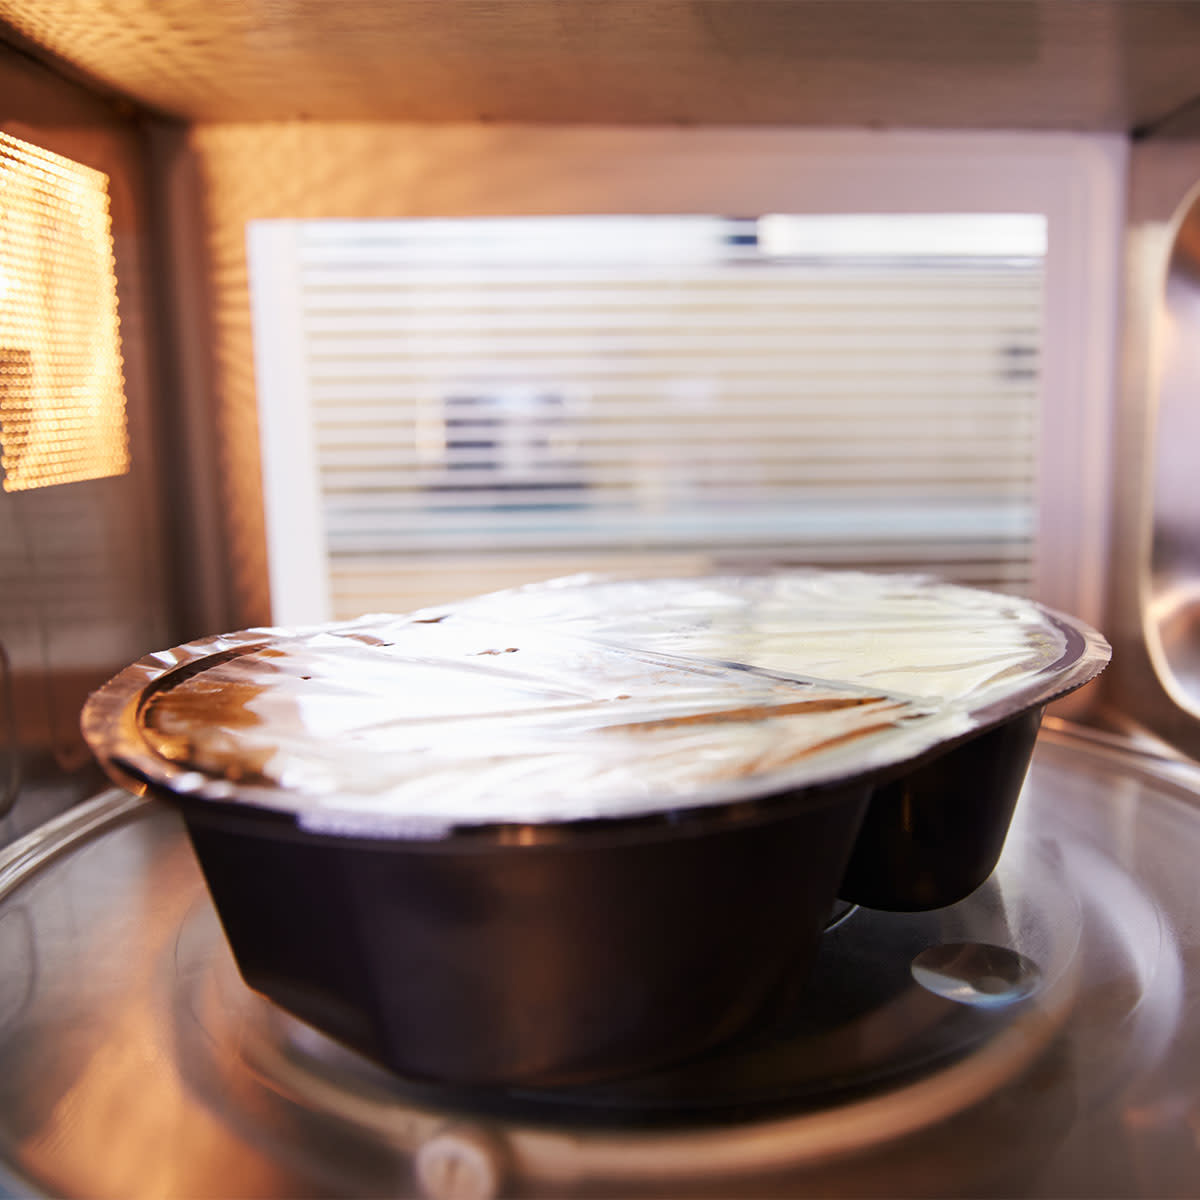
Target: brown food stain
pixel 188 725
pixel 754 712
pixel 803 752
pixel 367 639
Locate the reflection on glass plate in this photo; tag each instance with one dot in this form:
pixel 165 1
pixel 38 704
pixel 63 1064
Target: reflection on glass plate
pixel 135 1062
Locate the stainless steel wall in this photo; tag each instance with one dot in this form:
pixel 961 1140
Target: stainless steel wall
pixel 84 581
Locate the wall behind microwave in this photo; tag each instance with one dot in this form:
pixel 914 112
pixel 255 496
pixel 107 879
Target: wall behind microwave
pixel 219 177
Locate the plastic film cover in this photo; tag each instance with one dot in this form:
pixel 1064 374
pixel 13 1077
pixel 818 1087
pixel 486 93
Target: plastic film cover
pixel 586 699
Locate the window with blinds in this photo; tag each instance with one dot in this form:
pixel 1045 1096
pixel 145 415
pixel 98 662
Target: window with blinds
pixel 467 404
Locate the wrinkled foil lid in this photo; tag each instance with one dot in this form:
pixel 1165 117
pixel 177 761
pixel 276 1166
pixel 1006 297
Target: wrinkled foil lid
pixel 585 699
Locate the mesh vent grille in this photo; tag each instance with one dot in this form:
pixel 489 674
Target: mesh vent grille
pixel 62 397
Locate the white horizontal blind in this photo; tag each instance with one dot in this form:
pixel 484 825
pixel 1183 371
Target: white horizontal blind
pixel 495 401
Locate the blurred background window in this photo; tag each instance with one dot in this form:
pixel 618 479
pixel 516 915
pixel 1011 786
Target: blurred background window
pixel 467 404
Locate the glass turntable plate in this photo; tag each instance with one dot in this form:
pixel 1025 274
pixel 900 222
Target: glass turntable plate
pixel 1040 1038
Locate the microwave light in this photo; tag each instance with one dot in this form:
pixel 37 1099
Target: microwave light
pixel 62 388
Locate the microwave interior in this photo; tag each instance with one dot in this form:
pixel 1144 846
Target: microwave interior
pixel 311 312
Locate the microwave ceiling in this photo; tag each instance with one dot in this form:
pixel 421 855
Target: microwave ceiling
pixel 1013 64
